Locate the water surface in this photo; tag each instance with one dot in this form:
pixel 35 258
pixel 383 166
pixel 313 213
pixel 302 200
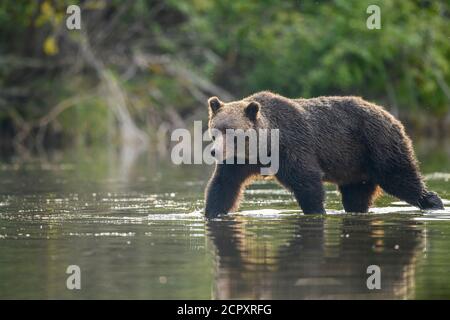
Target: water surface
pixel 136 231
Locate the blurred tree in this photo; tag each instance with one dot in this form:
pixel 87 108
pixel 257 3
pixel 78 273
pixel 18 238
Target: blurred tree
pixel 164 58
pixel 310 48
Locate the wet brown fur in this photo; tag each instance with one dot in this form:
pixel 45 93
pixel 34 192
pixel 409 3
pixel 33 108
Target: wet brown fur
pixel 343 140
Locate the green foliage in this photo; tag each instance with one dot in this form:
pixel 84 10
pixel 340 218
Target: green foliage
pixel 296 48
pixel 304 48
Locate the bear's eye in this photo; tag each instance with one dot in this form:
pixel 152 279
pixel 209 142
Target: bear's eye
pixel 213 138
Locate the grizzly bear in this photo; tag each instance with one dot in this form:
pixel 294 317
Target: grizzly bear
pixel 347 141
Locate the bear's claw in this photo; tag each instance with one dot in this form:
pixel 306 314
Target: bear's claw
pixel 431 201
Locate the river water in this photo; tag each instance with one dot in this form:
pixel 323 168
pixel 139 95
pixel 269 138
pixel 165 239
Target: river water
pixel 136 230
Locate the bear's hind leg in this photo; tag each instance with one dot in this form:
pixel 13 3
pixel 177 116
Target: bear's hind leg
pixel 430 201
pixel 393 165
pixel 407 185
pixel 358 197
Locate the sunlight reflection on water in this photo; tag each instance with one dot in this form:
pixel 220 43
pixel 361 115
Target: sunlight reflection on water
pixel 126 237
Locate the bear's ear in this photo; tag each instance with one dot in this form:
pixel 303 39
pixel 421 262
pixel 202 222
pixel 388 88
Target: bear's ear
pixel 214 104
pixel 251 111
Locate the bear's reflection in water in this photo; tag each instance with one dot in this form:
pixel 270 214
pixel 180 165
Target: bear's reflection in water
pixel 322 257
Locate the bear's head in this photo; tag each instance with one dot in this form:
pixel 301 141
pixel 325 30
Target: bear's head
pixel 241 114
pixel 233 127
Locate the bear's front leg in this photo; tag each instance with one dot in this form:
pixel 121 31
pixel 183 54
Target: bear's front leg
pixel 225 188
pixel 310 195
pixel 307 188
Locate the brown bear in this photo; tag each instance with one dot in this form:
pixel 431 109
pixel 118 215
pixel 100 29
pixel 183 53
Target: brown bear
pixel 343 140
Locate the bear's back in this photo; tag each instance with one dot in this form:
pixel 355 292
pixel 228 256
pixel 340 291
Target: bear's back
pixel 339 132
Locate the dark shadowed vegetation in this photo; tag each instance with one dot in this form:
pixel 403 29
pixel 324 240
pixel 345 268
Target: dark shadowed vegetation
pixel 139 68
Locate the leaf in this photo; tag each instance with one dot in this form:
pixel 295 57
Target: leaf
pixel 50 46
